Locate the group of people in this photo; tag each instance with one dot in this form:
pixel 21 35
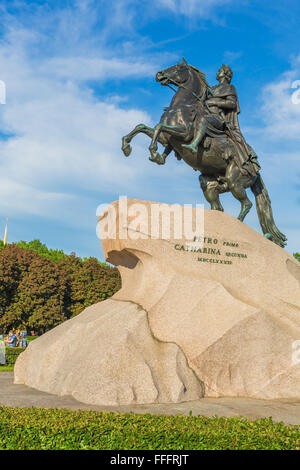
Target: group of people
pixel 16 338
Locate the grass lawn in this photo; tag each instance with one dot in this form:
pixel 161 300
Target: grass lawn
pixel 33 428
pixel 9 367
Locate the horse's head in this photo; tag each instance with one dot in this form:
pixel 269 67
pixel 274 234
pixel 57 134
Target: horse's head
pixel 180 74
pixel 175 75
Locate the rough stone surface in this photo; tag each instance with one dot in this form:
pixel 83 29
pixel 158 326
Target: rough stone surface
pixel 20 395
pixel 107 355
pixel 233 313
pixel 236 323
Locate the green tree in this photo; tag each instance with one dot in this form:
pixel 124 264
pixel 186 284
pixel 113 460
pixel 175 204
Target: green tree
pixel 49 253
pixel 40 299
pixel 88 282
pixel 40 291
pixel 297 256
pixel 14 264
pixel 42 250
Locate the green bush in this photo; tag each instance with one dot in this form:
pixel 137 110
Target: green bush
pixel 32 428
pixel 12 354
pixel 31 338
pixel 7 368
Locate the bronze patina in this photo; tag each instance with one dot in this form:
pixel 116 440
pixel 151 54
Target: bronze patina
pixel 201 126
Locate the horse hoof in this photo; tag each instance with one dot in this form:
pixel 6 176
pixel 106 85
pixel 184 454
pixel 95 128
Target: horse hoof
pixel 268 236
pixel 157 158
pixel 242 216
pixel 126 149
pixel 161 160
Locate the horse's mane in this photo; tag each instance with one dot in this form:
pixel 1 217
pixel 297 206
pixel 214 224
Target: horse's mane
pixel 201 76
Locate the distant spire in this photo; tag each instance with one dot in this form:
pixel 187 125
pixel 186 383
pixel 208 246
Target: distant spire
pixel 5 234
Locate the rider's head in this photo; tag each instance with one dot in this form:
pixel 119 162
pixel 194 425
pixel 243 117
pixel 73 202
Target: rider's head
pixel 224 72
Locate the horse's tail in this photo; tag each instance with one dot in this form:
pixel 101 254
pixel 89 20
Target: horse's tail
pixel 265 214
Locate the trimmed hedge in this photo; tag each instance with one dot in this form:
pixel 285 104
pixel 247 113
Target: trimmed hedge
pixel 43 429
pixel 7 368
pixel 31 338
pixel 12 354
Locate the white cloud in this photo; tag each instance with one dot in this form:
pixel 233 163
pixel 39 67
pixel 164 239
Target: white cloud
pixel 96 68
pixel 280 110
pixel 276 139
pixel 232 56
pixel 277 134
pixel 63 136
pixel 17 198
pixel 195 8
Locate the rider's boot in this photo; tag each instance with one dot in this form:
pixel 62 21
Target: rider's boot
pixel 200 134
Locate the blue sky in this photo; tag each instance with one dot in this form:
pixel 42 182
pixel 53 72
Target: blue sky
pixel 80 75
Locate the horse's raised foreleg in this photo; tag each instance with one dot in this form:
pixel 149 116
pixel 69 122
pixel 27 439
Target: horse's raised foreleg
pixel 176 131
pixel 140 128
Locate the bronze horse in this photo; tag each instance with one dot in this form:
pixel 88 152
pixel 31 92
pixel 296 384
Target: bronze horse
pixel 219 173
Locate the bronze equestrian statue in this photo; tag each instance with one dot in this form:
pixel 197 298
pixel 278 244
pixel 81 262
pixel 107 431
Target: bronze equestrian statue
pixel 201 126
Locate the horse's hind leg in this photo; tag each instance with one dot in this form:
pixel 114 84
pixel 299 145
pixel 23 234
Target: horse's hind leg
pixel 211 190
pixel 178 131
pixel 140 128
pixel 235 186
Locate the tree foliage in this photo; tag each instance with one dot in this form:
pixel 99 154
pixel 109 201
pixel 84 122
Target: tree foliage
pixel 42 250
pixel 297 256
pixel 41 291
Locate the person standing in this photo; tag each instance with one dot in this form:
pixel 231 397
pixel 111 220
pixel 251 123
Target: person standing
pixel 12 340
pixel 24 339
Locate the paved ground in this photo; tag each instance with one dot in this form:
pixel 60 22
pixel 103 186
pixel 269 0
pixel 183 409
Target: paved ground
pixel 287 411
